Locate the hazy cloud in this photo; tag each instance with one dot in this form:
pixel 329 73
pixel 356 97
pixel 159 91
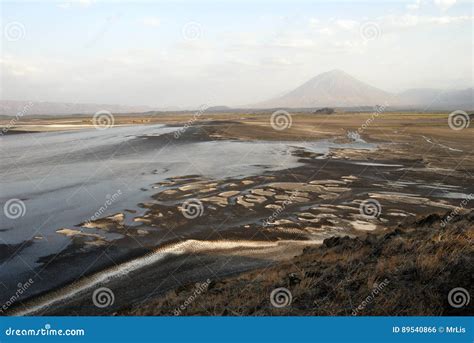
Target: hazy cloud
pixel 244 56
pixel 151 21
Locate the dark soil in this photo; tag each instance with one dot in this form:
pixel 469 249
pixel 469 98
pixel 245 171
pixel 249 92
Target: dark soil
pixel 408 270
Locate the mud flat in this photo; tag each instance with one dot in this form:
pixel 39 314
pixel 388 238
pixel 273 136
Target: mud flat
pixel 197 227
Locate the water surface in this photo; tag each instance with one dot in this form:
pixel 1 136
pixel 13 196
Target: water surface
pixel 63 178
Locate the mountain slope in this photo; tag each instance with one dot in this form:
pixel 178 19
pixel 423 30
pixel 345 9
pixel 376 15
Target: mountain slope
pixel 333 88
pixel 14 107
pixel 437 98
pixel 339 89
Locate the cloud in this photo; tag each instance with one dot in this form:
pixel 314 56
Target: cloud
pixel 414 6
pixel 441 4
pixel 69 3
pixel 347 24
pixel 293 41
pixel 279 52
pixel 313 22
pixel 151 21
pixel 344 32
pixel 444 4
pixel 277 61
pixel 326 31
pixel 18 68
pixel 409 20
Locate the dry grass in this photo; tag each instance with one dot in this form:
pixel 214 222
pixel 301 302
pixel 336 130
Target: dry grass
pixel 421 261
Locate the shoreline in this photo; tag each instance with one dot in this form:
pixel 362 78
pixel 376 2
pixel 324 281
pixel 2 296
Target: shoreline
pixel 320 199
pixel 75 292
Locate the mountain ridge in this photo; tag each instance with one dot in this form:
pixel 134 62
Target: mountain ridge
pixel 337 88
pixel 334 88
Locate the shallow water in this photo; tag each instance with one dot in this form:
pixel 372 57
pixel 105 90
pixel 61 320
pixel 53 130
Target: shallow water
pixel 63 178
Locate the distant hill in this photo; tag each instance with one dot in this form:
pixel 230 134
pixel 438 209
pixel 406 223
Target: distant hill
pixel 333 88
pixel 336 88
pixel 218 109
pixel 12 107
pixel 436 98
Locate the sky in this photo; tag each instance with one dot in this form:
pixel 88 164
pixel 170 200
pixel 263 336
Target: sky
pixel 187 53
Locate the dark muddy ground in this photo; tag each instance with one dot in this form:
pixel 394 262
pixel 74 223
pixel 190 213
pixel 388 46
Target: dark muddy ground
pixel 361 194
pixel 407 271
